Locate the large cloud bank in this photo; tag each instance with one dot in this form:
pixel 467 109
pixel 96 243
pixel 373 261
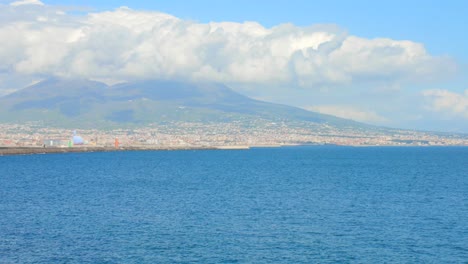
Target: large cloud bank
pixel 125 44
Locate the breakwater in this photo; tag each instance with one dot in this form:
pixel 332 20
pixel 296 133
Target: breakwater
pixel 40 150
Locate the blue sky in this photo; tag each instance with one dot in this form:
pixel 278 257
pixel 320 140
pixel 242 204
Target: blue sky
pixel 392 63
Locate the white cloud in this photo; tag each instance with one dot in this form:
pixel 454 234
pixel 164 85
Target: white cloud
pixel 126 44
pixel 26 2
pixel 447 102
pixel 349 112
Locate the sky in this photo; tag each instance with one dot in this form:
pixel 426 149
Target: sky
pixel 392 63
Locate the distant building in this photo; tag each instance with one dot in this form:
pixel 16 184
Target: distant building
pixel 7 142
pixel 55 143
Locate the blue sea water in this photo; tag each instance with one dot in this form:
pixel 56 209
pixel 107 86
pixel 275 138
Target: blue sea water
pixel 281 205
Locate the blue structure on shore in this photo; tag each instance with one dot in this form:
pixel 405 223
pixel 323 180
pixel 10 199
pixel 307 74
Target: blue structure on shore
pixel 77 140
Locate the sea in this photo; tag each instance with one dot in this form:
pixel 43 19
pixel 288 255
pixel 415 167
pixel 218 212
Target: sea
pixel 309 204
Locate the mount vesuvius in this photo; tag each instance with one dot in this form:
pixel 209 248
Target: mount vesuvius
pixel 85 103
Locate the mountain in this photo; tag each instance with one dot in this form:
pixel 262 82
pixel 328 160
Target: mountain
pixel 85 103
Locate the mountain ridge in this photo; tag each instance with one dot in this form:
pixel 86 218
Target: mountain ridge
pixel 84 102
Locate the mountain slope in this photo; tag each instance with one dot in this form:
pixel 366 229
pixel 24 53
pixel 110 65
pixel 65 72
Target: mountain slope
pixel 87 103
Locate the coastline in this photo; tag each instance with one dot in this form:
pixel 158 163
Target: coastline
pixel 9 151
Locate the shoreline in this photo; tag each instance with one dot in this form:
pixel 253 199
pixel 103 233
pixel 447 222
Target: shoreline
pixel 10 151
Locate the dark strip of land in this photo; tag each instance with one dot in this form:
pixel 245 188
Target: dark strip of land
pixel 39 150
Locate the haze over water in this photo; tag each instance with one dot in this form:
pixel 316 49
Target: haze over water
pixel 283 205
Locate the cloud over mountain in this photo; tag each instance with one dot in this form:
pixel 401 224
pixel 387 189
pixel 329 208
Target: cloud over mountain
pixel 125 44
pixel 447 102
pixel 348 112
